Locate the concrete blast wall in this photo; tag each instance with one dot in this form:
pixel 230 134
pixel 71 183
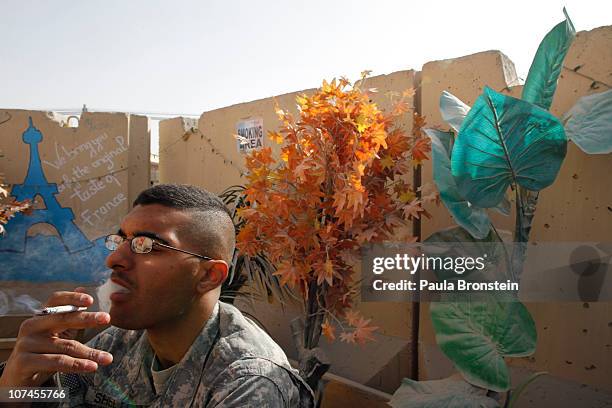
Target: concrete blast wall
pixel 574 339
pixel 81 181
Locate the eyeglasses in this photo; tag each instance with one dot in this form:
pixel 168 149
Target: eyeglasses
pixel 142 245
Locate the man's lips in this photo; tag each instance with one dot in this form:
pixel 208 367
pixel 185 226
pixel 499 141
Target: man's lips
pixel 120 285
pixel 121 290
pixel 119 296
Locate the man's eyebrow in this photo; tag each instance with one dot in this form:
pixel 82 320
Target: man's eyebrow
pixel 150 235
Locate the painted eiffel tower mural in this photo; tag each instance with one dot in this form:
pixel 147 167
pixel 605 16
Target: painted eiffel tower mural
pixel 69 256
pixel 36 184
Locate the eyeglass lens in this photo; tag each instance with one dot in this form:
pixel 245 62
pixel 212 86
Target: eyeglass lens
pixel 140 245
pixel 112 242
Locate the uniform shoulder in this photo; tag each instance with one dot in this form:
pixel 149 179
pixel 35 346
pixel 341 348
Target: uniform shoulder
pixel 241 338
pixel 248 354
pixel 256 380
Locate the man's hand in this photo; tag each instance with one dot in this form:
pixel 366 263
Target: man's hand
pixel 45 344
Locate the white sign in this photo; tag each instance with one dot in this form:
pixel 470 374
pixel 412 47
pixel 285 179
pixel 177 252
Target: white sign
pixel 251 134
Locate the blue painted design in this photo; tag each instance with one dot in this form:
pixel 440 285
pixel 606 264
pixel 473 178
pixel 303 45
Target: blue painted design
pixel 67 257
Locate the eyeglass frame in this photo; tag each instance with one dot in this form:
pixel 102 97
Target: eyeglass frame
pixel 154 242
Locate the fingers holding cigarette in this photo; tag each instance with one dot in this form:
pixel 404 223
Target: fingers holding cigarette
pixel 70 298
pixel 59 315
pixel 40 348
pixel 59 310
pixel 60 321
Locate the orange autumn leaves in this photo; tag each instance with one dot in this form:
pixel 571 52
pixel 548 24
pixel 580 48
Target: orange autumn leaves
pixel 9 207
pixel 341 181
pixel 360 332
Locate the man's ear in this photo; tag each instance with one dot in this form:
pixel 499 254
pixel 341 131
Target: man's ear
pixel 215 275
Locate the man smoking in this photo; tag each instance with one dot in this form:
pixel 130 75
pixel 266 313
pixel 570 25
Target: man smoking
pixel 172 342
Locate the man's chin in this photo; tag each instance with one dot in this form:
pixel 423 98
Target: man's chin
pixel 123 318
pixel 125 322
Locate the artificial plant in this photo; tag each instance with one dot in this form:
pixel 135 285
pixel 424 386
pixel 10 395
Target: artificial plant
pixel 255 270
pixel 8 205
pixel 341 182
pixel 502 145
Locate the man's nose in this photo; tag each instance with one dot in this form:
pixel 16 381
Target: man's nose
pixel 120 258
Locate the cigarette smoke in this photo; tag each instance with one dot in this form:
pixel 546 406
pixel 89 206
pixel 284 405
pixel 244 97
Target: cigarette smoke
pixel 27 303
pixel 21 304
pixel 103 292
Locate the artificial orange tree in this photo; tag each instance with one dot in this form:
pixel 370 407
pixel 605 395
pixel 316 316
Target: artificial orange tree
pixel 341 181
pixel 8 205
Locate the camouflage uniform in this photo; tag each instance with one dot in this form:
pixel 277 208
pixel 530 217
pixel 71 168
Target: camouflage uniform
pixel 232 363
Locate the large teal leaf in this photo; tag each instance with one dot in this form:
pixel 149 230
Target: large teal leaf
pixel 541 81
pixel 589 123
pixel 504 141
pixel 453 110
pixel 504 205
pixel 445 393
pixel 477 336
pixel 473 219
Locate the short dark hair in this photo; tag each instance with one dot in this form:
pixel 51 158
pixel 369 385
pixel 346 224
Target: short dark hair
pixel 212 228
pixel 181 196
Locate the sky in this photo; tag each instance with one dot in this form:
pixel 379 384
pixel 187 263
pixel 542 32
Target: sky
pixel 187 57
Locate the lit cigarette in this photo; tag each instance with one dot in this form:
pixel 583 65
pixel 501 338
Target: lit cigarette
pixel 59 309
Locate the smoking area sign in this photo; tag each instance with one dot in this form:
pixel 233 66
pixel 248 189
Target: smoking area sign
pixel 251 134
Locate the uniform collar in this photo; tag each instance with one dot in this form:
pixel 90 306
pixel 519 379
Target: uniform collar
pixel 181 386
